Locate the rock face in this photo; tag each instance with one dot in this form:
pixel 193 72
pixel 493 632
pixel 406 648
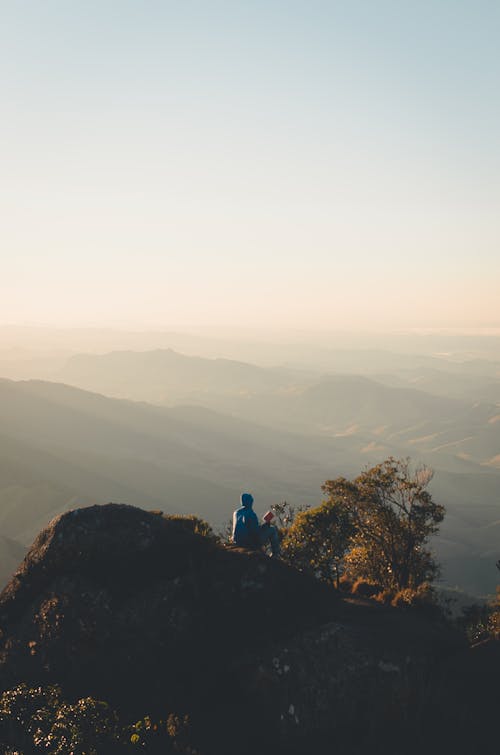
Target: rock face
pixel 140 610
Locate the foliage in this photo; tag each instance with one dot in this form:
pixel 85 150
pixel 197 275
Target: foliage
pixel 23 713
pixel 385 597
pixel 225 532
pixel 393 516
pixel 194 524
pixel 358 564
pixel 170 735
pixel 318 540
pixel 346 583
pixel 494 622
pixel 422 599
pixel 82 727
pixel 38 720
pixel 286 513
pixel 374 528
pixel 482 622
pixel 364 588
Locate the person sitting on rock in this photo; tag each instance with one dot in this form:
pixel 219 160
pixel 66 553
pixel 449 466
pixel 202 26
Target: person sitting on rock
pixel 247 533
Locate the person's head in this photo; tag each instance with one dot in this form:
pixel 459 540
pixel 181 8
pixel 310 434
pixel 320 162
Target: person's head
pixel 246 500
pixel 268 517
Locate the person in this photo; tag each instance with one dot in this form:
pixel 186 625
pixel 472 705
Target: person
pixel 248 533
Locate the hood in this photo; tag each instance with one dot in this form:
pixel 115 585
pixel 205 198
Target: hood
pixel 246 500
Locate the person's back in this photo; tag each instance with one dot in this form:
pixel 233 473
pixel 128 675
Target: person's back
pixel 245 523
pixel 248 533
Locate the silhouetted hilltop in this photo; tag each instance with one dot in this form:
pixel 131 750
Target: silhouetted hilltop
pixel 115 599
pixel 143 611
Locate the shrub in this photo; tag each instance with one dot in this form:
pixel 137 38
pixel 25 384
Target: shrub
pixel 37 719
pixel 162 736
pixel 194 524
pixel 365 589
pixel 88 726
pixel 317 541
pixel 345 583
pixel 482 622
pixel 423 599
pixel 385 597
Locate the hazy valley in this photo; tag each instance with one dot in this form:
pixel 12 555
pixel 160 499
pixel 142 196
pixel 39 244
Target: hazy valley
pixel 164 429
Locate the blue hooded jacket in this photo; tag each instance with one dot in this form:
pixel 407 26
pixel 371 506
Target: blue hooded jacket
pixel 245 523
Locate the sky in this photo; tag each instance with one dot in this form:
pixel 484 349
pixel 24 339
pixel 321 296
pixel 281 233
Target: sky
pixel 298 164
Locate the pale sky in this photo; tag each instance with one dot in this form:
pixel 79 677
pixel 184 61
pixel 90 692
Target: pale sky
pixel 308 164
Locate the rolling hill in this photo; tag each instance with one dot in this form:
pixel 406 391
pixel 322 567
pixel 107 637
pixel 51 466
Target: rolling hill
pixel 62 447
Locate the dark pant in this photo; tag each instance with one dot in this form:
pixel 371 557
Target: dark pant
pixel 268 535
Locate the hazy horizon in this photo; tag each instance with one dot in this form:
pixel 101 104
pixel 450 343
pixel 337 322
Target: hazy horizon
pixel 138 326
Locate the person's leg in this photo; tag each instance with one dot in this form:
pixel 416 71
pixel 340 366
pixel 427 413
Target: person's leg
pixel 269 535
pixel 274 539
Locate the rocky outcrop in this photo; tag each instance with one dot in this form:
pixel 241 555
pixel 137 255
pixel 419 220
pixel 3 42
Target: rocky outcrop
pixel 140 610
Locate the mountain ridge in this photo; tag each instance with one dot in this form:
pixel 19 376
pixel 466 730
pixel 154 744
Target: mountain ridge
pixel 142 611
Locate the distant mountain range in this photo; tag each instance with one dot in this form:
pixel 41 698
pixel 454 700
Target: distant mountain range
pixel 62 447
pixel 167 377
pixel 382 417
